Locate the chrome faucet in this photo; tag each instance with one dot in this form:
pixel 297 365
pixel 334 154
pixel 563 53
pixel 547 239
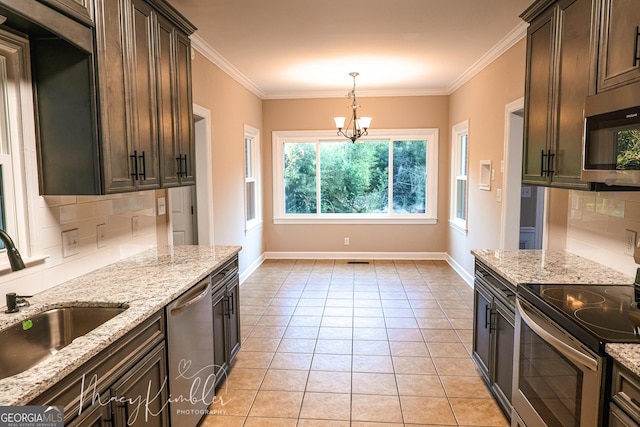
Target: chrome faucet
pixel 12 252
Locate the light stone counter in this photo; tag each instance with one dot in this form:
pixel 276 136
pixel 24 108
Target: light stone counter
pixel 628 355
pixel 146 282
pixel 561 267
pixel 549 267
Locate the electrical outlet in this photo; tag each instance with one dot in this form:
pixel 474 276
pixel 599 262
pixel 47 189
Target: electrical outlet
pixel 499 195
pixel 70 244
pixel 346 241
pixel 101 235
pixel 630 242
pixel 135 226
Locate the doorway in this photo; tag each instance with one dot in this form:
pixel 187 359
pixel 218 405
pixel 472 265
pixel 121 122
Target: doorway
pixel 531 217
pixel 191 207
pixel 523 208
pixel 184 222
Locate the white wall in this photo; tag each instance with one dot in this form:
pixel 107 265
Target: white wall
pixel 482 101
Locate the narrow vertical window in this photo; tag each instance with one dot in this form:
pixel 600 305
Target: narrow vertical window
pixel 252 177
pixel 459 175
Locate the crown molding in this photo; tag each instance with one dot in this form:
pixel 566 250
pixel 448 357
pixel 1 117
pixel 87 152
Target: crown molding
pixel 517 34
pixel 212 55
pixel 361 94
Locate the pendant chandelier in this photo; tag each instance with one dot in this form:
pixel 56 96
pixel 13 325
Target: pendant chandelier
pixel 356 127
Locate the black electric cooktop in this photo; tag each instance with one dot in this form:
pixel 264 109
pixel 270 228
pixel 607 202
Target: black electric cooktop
pixel 595 314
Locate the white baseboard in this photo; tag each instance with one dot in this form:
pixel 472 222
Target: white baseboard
pixel 466 276
pixel 418 256
pixel 253 267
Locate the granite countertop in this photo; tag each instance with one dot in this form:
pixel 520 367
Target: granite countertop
pixel 552 267
pixel 540 267
pixel 146 282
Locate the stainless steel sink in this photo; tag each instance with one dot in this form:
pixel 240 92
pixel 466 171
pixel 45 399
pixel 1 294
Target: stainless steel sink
pixel 30 341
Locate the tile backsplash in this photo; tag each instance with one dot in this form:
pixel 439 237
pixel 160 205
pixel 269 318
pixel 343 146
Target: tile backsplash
pixel 597 224
pixel 57 214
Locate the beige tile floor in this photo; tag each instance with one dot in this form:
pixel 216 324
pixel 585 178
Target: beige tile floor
pixel 333 344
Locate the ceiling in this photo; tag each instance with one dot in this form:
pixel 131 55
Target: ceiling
pixel 307 48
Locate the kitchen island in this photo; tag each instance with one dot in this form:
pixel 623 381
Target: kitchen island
pixel 145 283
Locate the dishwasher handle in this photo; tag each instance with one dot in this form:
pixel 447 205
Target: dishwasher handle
pixel 187 300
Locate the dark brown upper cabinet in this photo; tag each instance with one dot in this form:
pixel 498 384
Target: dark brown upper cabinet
pixel 619 55
pixel 560 74
pixel 113 113
pixel 82 10
pixel 177 166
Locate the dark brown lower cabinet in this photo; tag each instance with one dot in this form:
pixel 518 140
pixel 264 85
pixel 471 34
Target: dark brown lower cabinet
pixel 624 408
pixel 493 330
pixel 226 318
pixel 141 394
pixel 136 399
pixel 95 415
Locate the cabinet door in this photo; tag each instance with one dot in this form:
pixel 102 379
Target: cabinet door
pixel 112 50
pixel 538 97
pixel 233 318
pixel 482 312
pixel 575 80
pixel 619 44
pixel 219 335
pixel 96 415
pixel 169 150
pixel 143 100
pixel 502 363
pixel 183 100
pixel 140 395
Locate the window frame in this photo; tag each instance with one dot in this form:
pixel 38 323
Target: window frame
pixel 22 198
pixel 318 137
pixel 253 135
pixel 458 131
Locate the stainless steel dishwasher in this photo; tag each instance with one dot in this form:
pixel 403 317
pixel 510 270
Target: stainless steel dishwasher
pixel 190 355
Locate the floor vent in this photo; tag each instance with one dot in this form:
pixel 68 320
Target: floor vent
pixel 357 262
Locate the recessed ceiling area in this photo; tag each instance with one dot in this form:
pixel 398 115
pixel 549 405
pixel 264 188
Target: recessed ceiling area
pixel 307 48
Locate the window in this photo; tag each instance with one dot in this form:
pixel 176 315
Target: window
pixel 459 175
pixel 387 177
pixel 17 145
pixel 253 205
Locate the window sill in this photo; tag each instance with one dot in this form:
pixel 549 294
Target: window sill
pixel 385 221
pixel 459 228
pixel 251 227
pixel 5 268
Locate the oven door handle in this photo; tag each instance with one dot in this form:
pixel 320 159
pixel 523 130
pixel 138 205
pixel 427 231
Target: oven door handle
pixel 563 346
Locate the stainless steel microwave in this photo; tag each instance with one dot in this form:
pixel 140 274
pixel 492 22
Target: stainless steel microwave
pixel 611 152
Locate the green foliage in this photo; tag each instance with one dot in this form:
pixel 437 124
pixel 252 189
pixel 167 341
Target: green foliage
pixel 409 176
pixel 300 178
pixel 354 178
pixel 628 149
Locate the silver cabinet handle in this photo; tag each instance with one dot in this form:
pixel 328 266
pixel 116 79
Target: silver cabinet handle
pixel 563 346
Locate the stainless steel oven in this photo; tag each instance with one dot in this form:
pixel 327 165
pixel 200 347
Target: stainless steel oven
pixel 557 379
